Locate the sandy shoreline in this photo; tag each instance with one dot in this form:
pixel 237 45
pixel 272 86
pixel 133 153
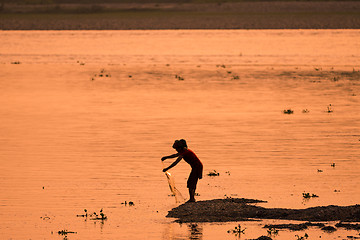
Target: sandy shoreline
pixel 240 15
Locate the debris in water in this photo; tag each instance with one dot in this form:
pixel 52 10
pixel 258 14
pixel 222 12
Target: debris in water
pixel 305 111
pixel 83 215
pixel 308 195
pixel 237 231
pixel 302 237
pixel 65 232
pixel 288 111
pixel 213 173
pixel 329 109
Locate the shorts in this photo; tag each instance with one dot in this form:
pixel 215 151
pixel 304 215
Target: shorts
pixel 194 176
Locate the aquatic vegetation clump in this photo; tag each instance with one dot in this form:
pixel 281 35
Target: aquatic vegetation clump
pixel 272 231
pixel 100 216
pixel 237 230
pixel 130 203
pixel 329 109
pixel 65 232
pixel 178 77
pixel 221 66
pixel 235 77
pixel 302 237
pixel 94 215
pixel 288 111
pixel 213 173
pixel 308 195
pixel 83 215
pixel 103 73
pixel 305 111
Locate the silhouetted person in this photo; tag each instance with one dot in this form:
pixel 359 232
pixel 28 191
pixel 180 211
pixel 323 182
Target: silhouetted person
pixel 190 157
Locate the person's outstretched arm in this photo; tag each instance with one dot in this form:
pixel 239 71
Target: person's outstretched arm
pixel 170 156
pixel 173 164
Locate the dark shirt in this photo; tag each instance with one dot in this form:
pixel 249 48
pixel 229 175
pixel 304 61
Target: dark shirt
pixel 191 158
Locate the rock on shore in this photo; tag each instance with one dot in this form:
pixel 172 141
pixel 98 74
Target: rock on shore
pixel 233 209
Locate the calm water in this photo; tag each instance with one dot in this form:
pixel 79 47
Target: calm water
pixel 87 115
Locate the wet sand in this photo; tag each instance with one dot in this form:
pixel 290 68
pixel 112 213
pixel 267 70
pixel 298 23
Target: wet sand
pixel 229 210
pixel 240 15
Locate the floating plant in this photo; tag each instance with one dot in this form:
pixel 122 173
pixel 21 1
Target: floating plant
pixel 45 218
pixel 65 232
pixel 329 109
pixel 308 195
pixel 288 111
pixel 94 215
pixel 213 173
pixel 130 203
pixel 16 62
pixel 83 215
pixel 103 73
pixel 97 217
pixel 237 231
pixel 179 77
pixel 272 232
pixel 333 164
pixel 302 237
pixel 235 77
pixel 305 111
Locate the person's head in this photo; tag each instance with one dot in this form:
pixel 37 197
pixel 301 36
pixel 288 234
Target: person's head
pixel 180 145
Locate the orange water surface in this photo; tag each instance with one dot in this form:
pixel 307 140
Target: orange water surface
pixel 87 115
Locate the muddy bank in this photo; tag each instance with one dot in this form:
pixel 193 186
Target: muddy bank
pixel 227 210
pixel 232 15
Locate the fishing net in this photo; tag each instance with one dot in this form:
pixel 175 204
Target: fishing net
pixel 178 196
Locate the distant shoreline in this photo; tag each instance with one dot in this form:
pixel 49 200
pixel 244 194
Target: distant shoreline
pixel 229 15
